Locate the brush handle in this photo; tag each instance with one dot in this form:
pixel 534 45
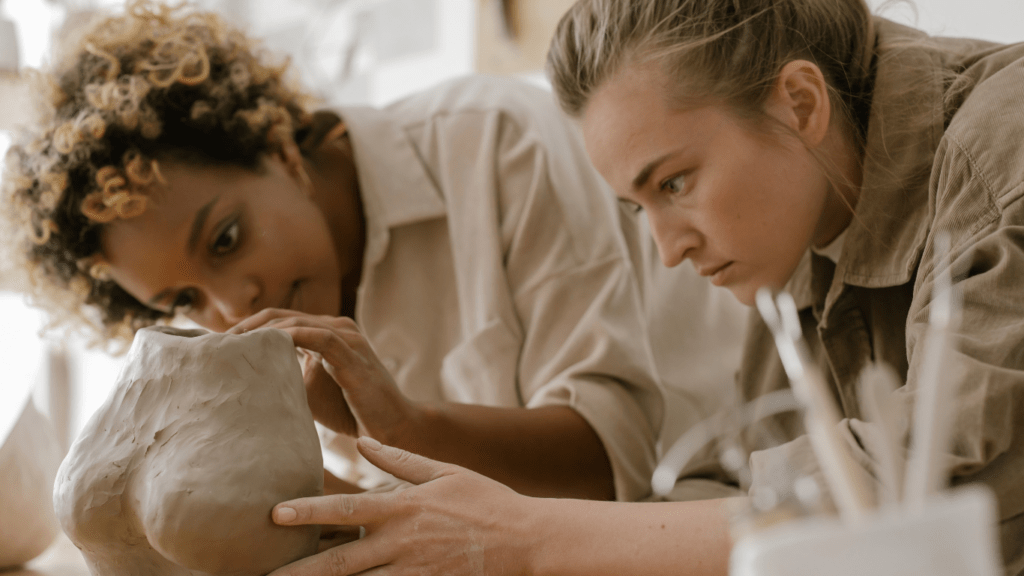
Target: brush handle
pixel 821 419
pixel 878 384
pixel 926 471
pixel 821 415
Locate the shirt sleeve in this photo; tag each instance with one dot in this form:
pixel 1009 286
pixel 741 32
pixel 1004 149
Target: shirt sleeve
pixel 549 305
pixel 577 299
pixel 985 362
pixel 589 356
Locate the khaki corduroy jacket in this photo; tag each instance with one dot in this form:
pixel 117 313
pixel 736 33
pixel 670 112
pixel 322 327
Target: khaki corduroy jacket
pixel 944 152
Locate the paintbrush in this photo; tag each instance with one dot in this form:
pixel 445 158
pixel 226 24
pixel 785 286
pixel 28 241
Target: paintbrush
pixel 821 419
pixel 878 383
pixel 926 471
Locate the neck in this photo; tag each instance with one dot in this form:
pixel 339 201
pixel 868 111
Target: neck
pixel 332 171
pixel 843 161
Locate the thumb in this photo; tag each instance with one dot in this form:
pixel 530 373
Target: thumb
pixel 402 464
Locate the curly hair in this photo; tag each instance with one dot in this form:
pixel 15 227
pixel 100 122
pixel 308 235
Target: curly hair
pixel 155 83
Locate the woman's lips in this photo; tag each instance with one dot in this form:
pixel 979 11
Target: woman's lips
pixel 716 273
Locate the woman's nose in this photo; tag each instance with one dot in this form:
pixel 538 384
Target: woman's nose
pixel 237 301
pixel 674 236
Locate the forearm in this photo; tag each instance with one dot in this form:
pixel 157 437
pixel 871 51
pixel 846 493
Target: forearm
pixel 548 452
pixel 574 537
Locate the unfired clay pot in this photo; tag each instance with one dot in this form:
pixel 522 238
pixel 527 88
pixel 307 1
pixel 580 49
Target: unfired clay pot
pixel 177 473
pixel 28 462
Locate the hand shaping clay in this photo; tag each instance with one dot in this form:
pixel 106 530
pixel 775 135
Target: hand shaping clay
pixel 177 473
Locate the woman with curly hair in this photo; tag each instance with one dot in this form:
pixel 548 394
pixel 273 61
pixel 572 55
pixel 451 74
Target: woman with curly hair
pixel 179 174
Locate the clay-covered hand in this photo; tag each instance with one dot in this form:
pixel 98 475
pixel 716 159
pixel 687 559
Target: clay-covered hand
pixel 348 388
pixel 451 522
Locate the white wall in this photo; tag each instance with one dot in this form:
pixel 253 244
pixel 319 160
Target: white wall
pixel 388 48
pixel 997 20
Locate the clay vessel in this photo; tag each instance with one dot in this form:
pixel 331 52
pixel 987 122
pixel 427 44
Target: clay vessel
pixel 177 473
pixel 28 462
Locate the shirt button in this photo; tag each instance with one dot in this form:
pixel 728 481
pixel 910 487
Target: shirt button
pixel 390 364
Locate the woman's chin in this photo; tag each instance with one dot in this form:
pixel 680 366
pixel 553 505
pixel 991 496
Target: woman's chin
pixel 746 292
pixel 744 295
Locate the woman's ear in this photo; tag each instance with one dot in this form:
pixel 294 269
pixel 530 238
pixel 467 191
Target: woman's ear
pixel 800 100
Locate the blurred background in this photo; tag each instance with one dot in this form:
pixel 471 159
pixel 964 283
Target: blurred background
pixel 345 51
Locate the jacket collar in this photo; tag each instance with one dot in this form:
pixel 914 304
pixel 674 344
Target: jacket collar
pixel 886 236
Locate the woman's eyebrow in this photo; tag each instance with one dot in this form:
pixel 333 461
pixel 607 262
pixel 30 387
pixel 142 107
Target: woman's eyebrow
pixel 199 222
pixel 646 171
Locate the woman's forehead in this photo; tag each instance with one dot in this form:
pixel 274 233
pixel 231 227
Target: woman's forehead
pixel 628 125
pixel 171 208
pixel 185 188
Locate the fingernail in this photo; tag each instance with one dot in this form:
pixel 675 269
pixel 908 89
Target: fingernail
pixel 285 515
pixel 370 443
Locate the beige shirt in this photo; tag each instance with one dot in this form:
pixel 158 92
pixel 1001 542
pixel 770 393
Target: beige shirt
pixel 498 271
pixel 945 151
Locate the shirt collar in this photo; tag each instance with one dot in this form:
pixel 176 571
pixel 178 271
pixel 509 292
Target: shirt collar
pixel 834 249
pixel 394 184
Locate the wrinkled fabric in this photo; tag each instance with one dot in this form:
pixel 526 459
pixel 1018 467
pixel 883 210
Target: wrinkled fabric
pixel 944 152
pixel 500 271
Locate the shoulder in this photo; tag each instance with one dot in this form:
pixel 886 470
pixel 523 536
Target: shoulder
pixel 510 138
pixel 984 139
pixel 517 125
pixel 478 95
pixel 464 119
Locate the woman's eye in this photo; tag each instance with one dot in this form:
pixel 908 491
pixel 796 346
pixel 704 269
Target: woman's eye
pixel 184 302
pixel 226 240
pixel 674 185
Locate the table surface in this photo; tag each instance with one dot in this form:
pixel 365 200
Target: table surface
pixel 60 559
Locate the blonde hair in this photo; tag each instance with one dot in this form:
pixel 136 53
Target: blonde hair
pixel 155 83
pixel 724 51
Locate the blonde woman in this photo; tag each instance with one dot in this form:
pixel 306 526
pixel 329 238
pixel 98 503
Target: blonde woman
pixel 501 324
pixel 797 144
